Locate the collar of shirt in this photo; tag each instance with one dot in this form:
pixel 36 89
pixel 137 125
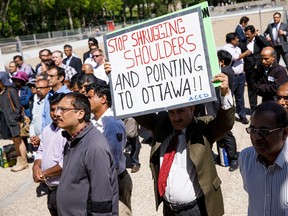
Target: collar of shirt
pixel 73 136
pixel 280 160
pixel 40 101
pixel 101 121
pixel 54 127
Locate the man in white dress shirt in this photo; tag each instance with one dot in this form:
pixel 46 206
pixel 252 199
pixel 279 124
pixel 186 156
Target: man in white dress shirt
pixel 99 71
pixel 264 166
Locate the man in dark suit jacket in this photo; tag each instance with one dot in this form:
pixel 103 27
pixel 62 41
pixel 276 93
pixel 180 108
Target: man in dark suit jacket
pixel 71 60
pixel 255 43
pixel 91 41
pixel 270 75
pixel 201 193
pixel 240 29
pixel 276 33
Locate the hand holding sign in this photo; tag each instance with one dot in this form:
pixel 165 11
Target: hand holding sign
pixel 107 68
pixel 224 87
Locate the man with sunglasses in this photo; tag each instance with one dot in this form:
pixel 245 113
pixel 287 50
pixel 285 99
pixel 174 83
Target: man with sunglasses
pixel 89 59
pixel 99 71
pixel 91 42
pixel 264 166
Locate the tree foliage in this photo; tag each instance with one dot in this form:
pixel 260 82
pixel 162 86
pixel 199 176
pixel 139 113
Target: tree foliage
pixel 20 17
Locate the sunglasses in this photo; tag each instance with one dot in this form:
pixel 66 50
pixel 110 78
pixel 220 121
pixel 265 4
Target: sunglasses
pixel 262 132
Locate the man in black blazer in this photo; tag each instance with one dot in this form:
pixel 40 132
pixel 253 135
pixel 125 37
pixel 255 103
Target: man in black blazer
pixel 239 30
pixel 276 33
pixel 91 41
pixel 270 75
pixel 255 43
pixel 71 60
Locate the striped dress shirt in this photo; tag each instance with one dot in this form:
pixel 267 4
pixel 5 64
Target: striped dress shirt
pixel 267 187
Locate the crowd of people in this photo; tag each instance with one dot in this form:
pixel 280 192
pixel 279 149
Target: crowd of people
pixel 80 146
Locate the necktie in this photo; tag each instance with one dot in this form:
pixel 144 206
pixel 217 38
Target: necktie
pixel 167 162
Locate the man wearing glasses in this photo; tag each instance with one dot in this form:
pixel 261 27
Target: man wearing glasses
pixel 91 42
pixel 282 95
pixel 89 59
pixel 88 184
pixel 276 33
pixel 43 55
pixel 48 163
pixel 264 166
pixel 35 129
pixel 55 77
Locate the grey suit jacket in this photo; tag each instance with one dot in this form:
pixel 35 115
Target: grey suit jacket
pixel 283 38
pixel 200 135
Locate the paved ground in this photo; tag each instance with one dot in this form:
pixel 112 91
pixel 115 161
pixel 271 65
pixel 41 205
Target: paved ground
pixel 20 196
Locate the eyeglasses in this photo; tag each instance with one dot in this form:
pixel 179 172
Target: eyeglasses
pixel 41 87
pixel 95 56
pixel 276 17
pixel 277 98
pixel 262 132
pixel 50 75
pixel 63 110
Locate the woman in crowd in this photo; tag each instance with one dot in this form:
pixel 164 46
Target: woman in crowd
pixel 10 116
pixel 26 100
pixel 45 64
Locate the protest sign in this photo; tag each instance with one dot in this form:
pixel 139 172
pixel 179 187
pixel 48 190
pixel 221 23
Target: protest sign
pixel 163 63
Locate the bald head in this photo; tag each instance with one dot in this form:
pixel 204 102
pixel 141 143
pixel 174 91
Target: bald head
pixel 268 51
pixel 268 55
pixel 87 69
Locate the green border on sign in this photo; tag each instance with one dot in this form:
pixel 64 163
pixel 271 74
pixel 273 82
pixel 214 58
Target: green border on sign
pixel 212 52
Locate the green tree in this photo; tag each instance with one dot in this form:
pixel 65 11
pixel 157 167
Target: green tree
pixel 5 28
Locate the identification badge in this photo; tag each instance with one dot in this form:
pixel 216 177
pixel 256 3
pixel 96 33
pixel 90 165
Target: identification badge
pixel 271 79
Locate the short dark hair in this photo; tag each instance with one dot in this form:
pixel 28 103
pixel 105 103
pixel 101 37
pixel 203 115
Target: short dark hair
pixel 249 27
pixel 275 108
pixel 225 56
pixel 48 62
pixel 56 98
pixel 43 50
pixel 277 13
pixel 67 46
pixel 80 102
pixel 86 78
pixel 244 19
pixel 18 56
pixel 101 89
pixel 74 79
pixel 230 36
pixel 94 40
pixel 60 71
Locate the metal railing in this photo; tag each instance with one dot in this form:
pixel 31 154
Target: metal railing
pixel 25 42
